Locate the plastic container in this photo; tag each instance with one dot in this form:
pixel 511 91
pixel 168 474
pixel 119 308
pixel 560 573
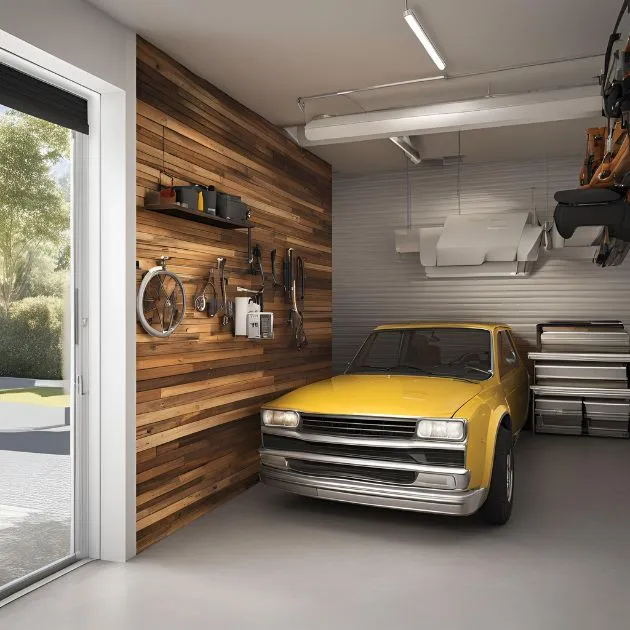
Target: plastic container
pixel 210 200
pixel 231 207
pixel 201 198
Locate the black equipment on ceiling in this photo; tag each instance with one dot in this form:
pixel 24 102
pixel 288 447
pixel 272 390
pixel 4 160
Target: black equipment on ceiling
pixel 592 207
pixel 613 89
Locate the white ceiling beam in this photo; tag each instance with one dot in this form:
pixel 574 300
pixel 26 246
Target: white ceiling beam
pixel 497 111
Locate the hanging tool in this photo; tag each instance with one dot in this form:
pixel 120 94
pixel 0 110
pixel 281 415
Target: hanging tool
pixel 273 269
pixel 225 305
pixel 297 294
pixel 202 303
pixel 287 272
pixel 229 312
pixel 258 265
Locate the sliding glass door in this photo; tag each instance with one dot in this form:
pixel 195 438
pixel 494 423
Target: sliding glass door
pixel 41 457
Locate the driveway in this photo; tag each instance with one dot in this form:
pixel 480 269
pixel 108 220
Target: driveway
pixel 35 477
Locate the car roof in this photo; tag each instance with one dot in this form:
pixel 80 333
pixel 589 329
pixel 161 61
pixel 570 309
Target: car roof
pixel 478 325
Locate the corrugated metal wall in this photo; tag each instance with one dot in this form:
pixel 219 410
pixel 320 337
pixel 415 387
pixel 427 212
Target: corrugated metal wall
pixel 374 285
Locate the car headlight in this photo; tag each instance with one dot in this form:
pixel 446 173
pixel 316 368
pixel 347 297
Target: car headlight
pixel 279 418
pixel 431 429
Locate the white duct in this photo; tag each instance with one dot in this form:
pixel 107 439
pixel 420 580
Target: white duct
pixel 498 111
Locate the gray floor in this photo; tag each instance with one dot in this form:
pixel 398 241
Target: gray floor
pixel 269 560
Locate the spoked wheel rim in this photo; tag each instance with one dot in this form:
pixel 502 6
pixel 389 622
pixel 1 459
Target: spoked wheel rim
pixel 161 303
pixel 510 476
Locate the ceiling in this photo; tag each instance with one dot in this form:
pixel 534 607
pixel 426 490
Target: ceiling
pixel 268 53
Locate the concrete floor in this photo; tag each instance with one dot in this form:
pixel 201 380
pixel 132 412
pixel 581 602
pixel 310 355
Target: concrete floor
pixel 270 560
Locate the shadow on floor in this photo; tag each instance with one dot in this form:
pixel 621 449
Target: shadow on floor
pixel 50 442
pixel 33 544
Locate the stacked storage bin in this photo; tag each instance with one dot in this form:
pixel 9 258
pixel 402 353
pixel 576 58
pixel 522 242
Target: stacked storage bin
pixel 581 379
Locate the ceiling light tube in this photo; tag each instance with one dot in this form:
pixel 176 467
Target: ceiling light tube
pixel 404 144
pixel 414 24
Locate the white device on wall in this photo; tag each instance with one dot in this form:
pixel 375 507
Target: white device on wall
pixel 260 325
pixel 243 307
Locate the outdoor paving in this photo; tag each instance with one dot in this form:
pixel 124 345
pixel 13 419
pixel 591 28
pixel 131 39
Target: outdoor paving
pixel 35 495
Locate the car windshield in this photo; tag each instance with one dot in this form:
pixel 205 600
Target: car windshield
pixel 447 352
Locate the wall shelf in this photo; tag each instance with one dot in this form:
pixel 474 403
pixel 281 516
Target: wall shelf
pixel 175 210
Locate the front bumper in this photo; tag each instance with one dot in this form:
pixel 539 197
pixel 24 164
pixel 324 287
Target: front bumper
pixel 452 502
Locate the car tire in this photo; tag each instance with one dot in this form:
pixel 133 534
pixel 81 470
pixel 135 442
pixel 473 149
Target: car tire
pixel 498 505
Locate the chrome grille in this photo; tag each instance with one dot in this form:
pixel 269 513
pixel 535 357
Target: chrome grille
pixel 360 426
pixel 427 456
pixel 384 475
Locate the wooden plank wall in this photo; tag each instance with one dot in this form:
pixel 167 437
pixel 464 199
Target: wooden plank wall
pixel 199 391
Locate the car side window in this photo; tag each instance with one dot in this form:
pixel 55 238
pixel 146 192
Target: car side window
pixel 508 358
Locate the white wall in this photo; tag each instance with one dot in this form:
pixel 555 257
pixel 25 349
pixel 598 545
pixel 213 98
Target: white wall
pixel 79 43
pixel 73 31
pixel 373 285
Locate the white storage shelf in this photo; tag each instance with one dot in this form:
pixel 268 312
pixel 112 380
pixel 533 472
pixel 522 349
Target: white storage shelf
pixel 579 392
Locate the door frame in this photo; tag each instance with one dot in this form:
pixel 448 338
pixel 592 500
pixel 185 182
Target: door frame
pixel 110 229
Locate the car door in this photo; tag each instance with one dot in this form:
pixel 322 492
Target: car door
pixel 514 379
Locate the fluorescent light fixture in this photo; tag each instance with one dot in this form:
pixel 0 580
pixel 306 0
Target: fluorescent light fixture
pixel 414 24
pixel 404 144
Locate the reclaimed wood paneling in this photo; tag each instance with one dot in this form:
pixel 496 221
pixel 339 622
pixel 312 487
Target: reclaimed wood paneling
pixel 199 391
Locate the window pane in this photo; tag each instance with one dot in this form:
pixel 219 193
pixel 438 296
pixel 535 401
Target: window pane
pixel 507 354
pixel 36 469
pixel 383 350
pixel 448 352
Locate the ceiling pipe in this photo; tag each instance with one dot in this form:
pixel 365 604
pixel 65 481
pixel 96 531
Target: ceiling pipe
pixel 302 101
pixel 496 111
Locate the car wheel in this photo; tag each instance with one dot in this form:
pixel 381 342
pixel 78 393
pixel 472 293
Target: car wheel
pixel 498 506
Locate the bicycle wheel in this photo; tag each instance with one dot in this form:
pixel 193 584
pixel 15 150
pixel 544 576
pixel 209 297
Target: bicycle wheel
pixel 161 302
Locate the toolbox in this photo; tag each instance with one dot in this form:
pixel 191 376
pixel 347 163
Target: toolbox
pixel 558 415
pixel 231 207
pixel 195 197
pixel 582 372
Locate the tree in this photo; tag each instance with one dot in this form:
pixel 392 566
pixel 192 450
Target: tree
pixel 33 209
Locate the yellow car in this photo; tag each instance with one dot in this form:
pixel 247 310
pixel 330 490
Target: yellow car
pixel 424 418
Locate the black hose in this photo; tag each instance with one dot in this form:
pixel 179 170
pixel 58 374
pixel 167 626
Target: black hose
pixel 273 269
pixel 299 273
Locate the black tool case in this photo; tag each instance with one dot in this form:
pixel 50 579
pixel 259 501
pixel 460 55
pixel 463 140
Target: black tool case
pixel 231 207
pixel 188 196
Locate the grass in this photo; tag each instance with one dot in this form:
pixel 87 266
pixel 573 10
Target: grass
pixel 47 396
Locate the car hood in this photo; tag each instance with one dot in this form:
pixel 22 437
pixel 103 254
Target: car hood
pixel 383 395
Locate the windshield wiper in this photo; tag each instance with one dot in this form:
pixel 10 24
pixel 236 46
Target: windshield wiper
pixel 476 369
pixel 395 367
pixel 462 378
pixel 414 367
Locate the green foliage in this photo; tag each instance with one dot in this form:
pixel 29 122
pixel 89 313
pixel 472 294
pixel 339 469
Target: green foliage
pixel 34 209
pixel 49 272
pixel 31 339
